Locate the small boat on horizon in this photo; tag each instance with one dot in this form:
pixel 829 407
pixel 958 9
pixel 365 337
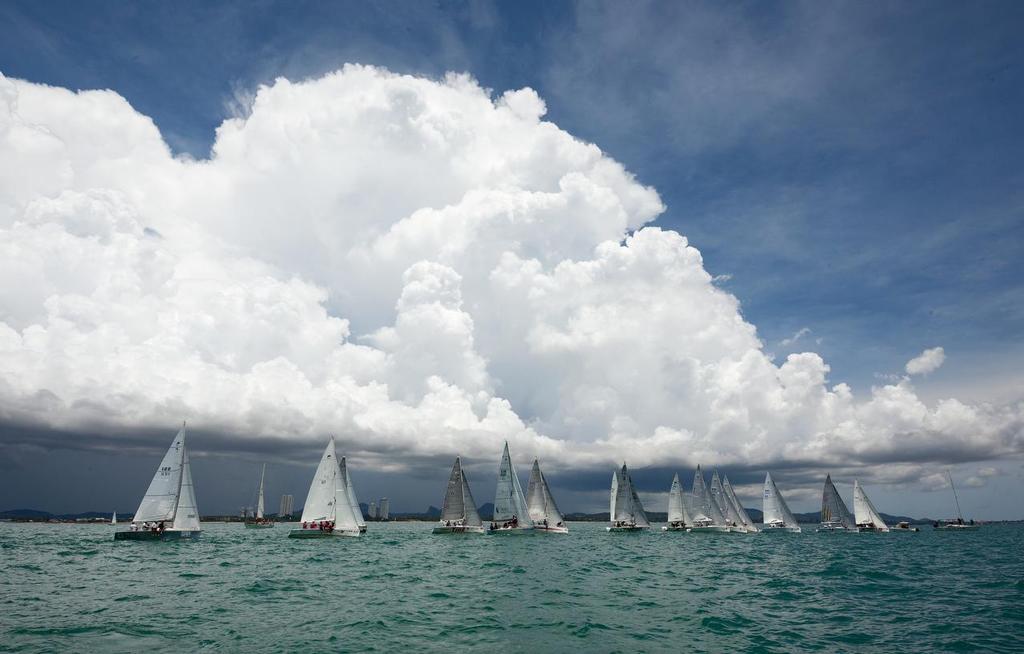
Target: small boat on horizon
pixel 459 514
pixel 258 521
pixel 327 511
pixel 626 513
pixel 113 518
pixel 835 517
pixel 168 509
pixel 776 514
pixel 543 510
pixel 511 515
pixel 865 515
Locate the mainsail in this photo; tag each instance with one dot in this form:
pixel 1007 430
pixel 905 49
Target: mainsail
pixel 508 497
pixel 350 492
pixel 161 499
pixel 472 516
pixel 833 510
pixel 625 504
pixel 321 499
pixel 721 501
pixel 676 507
pixel 186 514
pixel 775 508
pixel 741 513
pixel 864 510
pixel 259 499
pixel 539 500
pixel 113 518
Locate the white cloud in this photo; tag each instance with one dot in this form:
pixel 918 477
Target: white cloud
pixel 926 362
pixel 800 333
pixel 409 264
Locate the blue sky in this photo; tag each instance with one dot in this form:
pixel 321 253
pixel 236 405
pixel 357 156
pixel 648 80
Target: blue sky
pixel 852 171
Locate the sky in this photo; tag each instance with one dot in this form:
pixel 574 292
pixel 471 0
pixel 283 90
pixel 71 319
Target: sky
pixel 749 236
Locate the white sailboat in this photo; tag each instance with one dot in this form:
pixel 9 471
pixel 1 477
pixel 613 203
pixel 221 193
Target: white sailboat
pixel 258 521
pixel 777 516
pixel 459 514
pixel 625 513
pixel 543 510
pixel 835 517
pixel 678 517
pixel 168 509
pixel 706 515
pixel 957 524
pixel 113 518
pixel 864 512
pixel 511 514
pixel 746 524
pixel 327 511
pixel 350 490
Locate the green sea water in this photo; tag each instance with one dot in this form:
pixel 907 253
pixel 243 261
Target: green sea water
pixel 72 588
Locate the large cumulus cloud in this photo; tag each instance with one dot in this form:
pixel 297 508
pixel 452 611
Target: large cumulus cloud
pixel 417 266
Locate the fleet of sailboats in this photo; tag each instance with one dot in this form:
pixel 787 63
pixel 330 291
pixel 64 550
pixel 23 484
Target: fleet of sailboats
pixel 543 510
pixel 168 510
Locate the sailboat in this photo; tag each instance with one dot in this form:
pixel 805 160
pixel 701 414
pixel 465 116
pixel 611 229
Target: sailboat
pixel 864 512
pixel 350 491
pixel 745 523
pixel 777 516
pixel 327 511
pixel 459 514
pixel 258 521
pixel 835 517
pixel 511 514
pixel 678 518
pixel 113 518
pixel 543 511
pixel 626 513
pixel 168 509
pixel 706 515
pixel 958 524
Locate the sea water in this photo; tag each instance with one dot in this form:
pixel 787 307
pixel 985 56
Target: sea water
pixel 72 588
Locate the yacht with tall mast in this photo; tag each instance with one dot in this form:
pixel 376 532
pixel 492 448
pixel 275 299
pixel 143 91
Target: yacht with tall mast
pixel 459 513
pixel 168 509
pixel 257 521
pixel 511 514
pixel 327 511
pixel 625 512
pixel 745 523
pixel 707 518
pixel 776 514
pixel 678 518
pixel 835 517
pixel 957 524
pixel 864 512
pixel 543 510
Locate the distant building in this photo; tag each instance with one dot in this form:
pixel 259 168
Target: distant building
pixel 372 510
pixel 287 505
pixel 383 508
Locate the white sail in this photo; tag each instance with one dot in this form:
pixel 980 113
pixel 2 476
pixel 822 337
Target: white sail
pixel 186 514
pixel 774 506
pixel 639 515
pixel 539 500
pixel 864 511
pixel 321 499
pixel 454 508
pixel 350 491
pixel 508 497
pixel 161 499
pixel 833 509
pixel 677 512
pixel 737 507
pixel 472 518
pixel 703 508
pixel 113 518
pixel 259 500
pixel 720 500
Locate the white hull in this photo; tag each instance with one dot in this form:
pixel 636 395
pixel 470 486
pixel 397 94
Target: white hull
pixel 779 529
pixel 710 529
pixel 956 527
pixel 670 528
pixel 633 528
pixel 461 529
pixel 833 529
pixel 512 531
pixel 551 530
pixel 317 533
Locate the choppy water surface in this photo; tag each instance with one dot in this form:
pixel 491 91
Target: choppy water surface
pixel 70 587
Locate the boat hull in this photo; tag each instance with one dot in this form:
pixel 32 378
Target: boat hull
pixel 512 531
pixel 167 535
pixel 551 530
pixel 462 529
pixel 770 529
pixel 831 529
pixel 711 529
pixel 956 527
pixel 316 533
pixel 679 529
pixel 259 525
pixel 629 530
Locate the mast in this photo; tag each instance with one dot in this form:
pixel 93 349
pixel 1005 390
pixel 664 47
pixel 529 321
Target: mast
pixel 959 515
